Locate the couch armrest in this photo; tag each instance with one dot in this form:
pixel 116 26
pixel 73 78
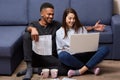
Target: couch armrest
pixel 116 38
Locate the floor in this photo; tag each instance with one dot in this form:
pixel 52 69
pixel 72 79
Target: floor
pixel 110 70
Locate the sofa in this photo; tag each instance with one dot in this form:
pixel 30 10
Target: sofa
pixel 15 15
pixel 13 21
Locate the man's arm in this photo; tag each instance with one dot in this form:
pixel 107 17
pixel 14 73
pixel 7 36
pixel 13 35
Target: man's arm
pixel 34 33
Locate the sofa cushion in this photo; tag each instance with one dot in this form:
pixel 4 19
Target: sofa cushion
pixel 10 37
pixel 107 35
pixel 34 8
pixel 90 11
pixel 13 12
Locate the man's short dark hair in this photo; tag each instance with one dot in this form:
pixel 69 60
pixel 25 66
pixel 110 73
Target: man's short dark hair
pixel 46 5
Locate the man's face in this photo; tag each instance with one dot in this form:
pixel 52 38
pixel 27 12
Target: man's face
pixel 47 15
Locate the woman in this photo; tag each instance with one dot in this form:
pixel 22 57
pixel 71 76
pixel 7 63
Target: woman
pixel 79 63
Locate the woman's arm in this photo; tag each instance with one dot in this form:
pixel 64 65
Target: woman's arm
pixel 58 42
pixel 89 28
pixel 97 27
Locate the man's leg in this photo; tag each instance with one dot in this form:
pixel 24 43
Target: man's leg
pixel 27 47
pixel 23 72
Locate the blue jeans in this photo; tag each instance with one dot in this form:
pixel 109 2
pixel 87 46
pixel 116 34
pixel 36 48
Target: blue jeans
pixel 89 59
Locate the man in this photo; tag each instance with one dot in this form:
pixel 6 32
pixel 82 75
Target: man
pixel 44 26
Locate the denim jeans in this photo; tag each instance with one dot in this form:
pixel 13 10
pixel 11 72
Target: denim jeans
pixel 89 59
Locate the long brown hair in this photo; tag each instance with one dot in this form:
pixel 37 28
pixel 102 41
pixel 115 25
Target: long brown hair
pixel 77 23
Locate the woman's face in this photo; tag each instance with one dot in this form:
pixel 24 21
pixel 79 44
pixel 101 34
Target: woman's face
pixel 70 20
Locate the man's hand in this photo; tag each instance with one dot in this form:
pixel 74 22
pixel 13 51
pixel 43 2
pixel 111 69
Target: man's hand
pixel 98 26
pixel 34 34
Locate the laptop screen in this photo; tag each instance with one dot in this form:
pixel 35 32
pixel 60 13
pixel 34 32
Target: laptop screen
pixel 80 43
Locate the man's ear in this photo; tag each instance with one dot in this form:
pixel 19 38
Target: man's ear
pixel 41 13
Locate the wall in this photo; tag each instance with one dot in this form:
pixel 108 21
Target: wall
pixel 116 7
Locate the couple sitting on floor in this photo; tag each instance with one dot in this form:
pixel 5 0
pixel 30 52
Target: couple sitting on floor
pixel 61 59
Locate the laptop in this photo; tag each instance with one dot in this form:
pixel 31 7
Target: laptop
pixel 81 43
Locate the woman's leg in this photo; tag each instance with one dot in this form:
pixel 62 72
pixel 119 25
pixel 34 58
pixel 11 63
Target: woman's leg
pixel 77 72
pixel 70 60
pixel 97 57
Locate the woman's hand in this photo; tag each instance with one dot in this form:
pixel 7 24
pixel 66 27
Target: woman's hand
pixel 99 27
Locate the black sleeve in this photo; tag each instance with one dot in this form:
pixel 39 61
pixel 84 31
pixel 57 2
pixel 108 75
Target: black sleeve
pixel 58 24
pixel 30 24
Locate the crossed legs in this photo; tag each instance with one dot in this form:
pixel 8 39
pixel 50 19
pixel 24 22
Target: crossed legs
pixel 83 63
